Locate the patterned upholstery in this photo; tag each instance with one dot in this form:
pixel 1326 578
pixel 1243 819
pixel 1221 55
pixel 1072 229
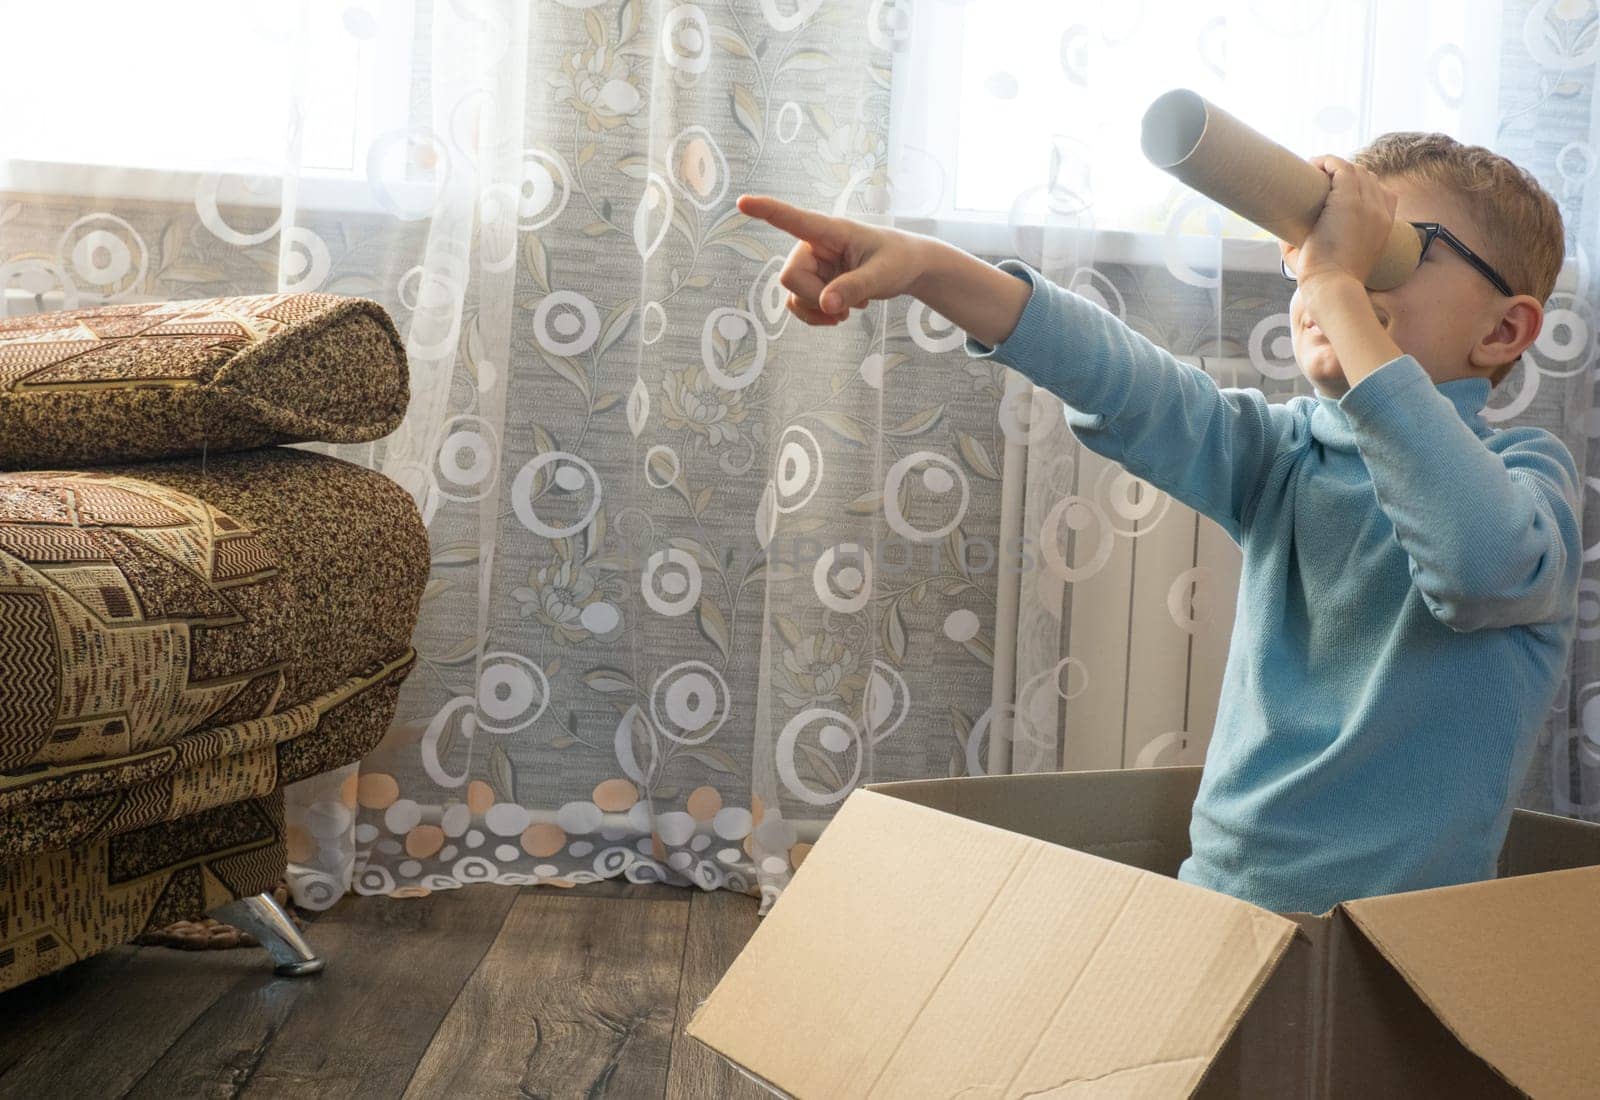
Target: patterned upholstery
pixel 61 906
pixel 165 379
pixel 177 641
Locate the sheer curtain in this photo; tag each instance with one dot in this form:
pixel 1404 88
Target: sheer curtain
pixel 699 570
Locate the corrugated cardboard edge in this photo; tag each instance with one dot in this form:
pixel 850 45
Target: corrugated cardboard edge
pixel 1377 918
pixel 1280 934
pixel 1243 1006
pixel 754 1078
pixel 1139 817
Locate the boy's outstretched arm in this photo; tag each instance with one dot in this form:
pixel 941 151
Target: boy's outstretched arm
pixel 1128 399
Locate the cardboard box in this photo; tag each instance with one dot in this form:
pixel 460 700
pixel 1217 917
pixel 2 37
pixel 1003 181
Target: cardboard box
pixel 1024 936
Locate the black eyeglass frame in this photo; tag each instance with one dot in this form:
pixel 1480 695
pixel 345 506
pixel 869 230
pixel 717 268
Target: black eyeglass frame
pixel 1433 231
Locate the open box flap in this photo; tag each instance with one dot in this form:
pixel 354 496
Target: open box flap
pixel 917 953
pixel 1501 964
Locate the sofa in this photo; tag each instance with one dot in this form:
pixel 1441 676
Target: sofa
pixel 193 613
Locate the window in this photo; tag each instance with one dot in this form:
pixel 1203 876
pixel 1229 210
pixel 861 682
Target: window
pixel 1033 108
pixel 202 87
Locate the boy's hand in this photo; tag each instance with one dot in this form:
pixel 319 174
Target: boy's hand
pixel 838 263
pixel 1352 229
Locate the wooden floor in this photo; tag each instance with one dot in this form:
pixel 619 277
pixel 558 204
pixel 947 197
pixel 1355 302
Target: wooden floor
pixel 483 991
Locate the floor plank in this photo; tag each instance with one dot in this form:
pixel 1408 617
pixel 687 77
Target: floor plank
pixel 394 967
pixel 42 1013
pixel 720 923
pixel 576 998
pixel 622 888
pixel 95 1027
pixel 480 991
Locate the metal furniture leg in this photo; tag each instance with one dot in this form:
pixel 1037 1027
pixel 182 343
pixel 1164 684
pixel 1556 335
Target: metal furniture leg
pixel 264 918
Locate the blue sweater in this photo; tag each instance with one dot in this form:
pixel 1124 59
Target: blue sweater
pixel 1406 609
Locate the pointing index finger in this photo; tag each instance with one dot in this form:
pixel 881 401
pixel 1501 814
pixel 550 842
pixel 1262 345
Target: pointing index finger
pixel 808 225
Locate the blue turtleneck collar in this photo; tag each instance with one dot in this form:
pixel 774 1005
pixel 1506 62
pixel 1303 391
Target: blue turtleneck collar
pixel 1331 427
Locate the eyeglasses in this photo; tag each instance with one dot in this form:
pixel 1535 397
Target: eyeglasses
pixel 1433 231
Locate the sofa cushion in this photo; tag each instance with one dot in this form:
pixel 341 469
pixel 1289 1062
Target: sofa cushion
pixel 66 806
pixel 164 379
pixel 140 605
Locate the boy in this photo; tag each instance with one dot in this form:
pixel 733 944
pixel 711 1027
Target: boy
pixel 1409 592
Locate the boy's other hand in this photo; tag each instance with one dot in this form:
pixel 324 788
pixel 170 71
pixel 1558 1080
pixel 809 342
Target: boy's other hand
pixel 1351 230
pixel 838 263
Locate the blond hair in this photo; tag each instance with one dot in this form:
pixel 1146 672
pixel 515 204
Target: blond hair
pixel 1523 233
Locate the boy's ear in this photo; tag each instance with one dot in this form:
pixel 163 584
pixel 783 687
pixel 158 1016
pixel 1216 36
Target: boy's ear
pixel 1519 325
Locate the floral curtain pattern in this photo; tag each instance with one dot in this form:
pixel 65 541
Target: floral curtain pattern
pixel 700 570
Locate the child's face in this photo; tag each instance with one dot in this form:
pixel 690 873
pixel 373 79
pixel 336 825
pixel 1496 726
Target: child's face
pixel 1437 315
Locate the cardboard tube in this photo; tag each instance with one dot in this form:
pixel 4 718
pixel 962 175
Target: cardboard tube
pixel 1211 151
